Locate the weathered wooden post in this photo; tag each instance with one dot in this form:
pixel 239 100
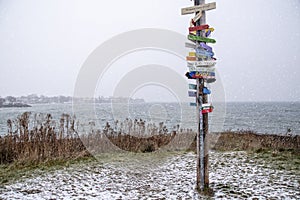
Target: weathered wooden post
pixel 204 139
pixel 200 68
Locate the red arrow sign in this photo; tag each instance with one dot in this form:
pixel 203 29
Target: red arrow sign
pixel 199 28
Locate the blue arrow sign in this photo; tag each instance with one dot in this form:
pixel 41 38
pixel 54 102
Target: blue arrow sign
pixel 192 94
pixel 202 52
pixel 206 91
pixel 206 47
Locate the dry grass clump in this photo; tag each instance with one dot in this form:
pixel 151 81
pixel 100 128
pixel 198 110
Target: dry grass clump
pixel 249 140
pixel 39 139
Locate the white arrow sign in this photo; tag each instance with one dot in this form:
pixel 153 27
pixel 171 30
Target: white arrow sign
pixel 208 63
pixel 190 45
pixel 203 7
pixel 202 69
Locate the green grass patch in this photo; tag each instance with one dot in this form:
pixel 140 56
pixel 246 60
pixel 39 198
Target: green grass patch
pixel 278 159
pixel 10 173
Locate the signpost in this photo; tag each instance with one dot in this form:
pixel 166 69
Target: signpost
pixel 203 71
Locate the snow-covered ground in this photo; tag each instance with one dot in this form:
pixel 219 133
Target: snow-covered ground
pixel 233 175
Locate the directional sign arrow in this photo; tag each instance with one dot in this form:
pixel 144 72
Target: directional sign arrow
pixel 190 45
pixel 192 54
pixel 204 63
pixel 193 104
pixel 203 7
pixel 192 87
pixel 205 46
pixel 211 80
pixel 201 52
pixel 208 79
pixel 209 31
pixel 206 91
pixel 192 94
pixel 199 28
pixel 206 105
pixel 205 75
pixel 202 69
pixel 207 108
pixel 201 39
pixel 191 58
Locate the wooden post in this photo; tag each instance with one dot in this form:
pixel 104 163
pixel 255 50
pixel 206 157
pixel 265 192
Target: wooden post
pixel 206 145
pixel 205 119
pixel 202 182
pixel 198 24
pixel 199 181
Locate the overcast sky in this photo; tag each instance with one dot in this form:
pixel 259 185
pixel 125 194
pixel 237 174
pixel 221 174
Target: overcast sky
pixel 43 44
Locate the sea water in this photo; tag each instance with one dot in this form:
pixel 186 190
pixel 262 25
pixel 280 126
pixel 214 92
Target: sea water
pixel 261 117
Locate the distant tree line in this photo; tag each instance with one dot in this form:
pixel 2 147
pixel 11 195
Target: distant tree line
pixel 35 99
pixel 11 101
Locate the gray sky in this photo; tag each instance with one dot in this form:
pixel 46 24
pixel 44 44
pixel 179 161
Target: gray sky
pixel 44 43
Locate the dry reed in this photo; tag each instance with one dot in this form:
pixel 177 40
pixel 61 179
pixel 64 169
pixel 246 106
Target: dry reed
pixel 39 138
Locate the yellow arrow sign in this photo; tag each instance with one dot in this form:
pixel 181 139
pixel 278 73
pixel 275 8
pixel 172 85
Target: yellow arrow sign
pixel 192 54
pixel 206 30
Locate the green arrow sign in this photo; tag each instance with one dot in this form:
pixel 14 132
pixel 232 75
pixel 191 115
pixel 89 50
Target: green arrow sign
pixel 201 39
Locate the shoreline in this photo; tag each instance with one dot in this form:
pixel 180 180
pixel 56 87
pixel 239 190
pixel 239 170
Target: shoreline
pixel 16 105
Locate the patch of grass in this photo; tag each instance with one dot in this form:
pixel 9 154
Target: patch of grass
pixel 10 173
pixel 278 159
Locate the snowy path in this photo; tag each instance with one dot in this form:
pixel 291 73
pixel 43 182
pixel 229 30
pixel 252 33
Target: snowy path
pixel 232 176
